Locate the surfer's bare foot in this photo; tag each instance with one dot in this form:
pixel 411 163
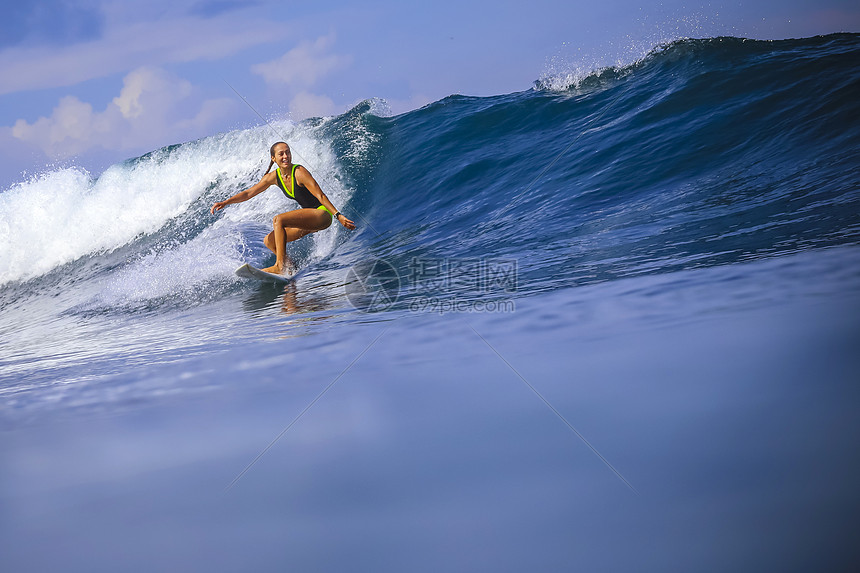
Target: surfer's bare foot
pixel 287 269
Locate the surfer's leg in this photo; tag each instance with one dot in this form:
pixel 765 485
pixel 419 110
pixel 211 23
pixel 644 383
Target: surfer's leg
pixel 305 219
pixel 289 227
pixel 292 235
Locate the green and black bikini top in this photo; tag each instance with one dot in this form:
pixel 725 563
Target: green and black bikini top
pixel 298 192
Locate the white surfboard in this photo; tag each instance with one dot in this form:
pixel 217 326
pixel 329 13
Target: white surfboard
pixel 247 271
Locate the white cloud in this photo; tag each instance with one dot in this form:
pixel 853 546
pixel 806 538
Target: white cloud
pixel 152 109
pixel 211 112
pixel 129 42
pixel 304 65
pixel 306 104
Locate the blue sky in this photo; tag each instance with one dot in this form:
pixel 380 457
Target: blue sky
pixel 93 82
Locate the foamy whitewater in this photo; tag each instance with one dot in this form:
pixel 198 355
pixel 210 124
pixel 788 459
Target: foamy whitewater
pixel 609 322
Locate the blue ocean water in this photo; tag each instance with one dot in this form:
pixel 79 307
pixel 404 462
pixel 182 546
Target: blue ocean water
pixel 609 322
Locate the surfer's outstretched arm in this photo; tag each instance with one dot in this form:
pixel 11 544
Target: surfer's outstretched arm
pixel 267 181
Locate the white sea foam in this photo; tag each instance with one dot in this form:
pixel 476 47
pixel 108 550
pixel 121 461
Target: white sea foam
pixel 573 68
pixel 65 214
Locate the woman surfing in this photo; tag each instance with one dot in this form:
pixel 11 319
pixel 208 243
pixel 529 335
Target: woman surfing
pixel 297 183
